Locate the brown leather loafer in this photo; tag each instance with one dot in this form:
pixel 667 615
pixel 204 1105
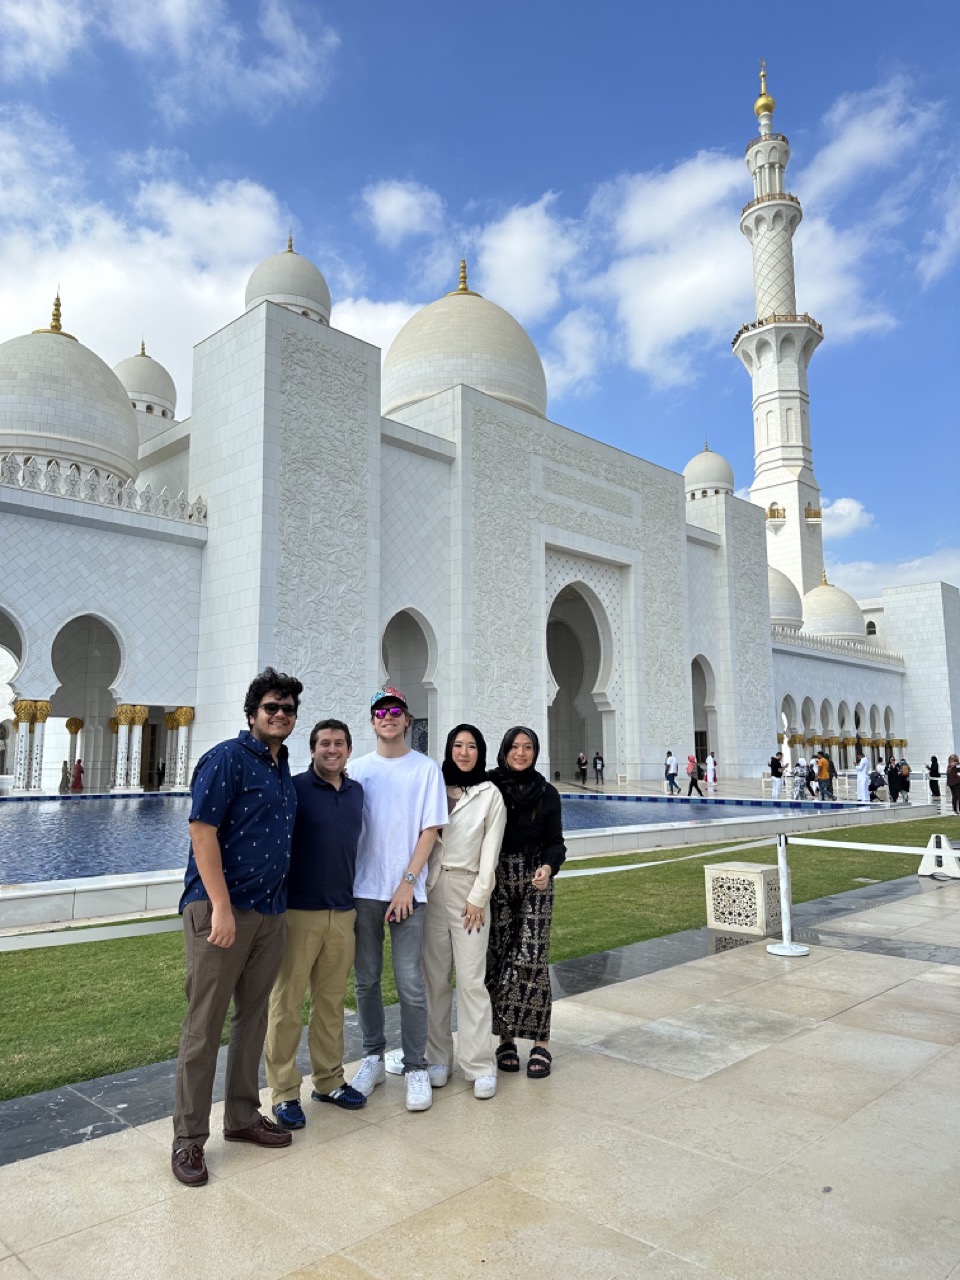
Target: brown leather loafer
pixel 263 1132
pixel 189 1166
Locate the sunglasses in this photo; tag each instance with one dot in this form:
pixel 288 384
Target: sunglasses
pixel 382 712
pixel 274 708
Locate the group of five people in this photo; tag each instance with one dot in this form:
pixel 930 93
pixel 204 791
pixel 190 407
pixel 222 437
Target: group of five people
pixel 293 881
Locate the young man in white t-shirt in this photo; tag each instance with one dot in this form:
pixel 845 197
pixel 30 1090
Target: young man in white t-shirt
pixel 404 806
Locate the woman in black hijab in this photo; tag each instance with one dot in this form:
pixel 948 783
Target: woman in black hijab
pixel 521 909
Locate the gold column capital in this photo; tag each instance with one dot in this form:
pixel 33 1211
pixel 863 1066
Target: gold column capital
pixel 124 713
pixel 74 724
pixel 140 714
pixel 42 710
pixel 113 724
pixel 169 721
pixel 25 709
pixel 183 716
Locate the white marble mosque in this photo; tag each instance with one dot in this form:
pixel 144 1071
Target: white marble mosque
pixel 429 523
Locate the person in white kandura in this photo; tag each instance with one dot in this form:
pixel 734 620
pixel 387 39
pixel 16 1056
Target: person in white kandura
pixel 863 779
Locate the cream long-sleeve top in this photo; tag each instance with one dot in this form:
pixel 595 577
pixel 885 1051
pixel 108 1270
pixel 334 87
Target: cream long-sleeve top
pixel 471 841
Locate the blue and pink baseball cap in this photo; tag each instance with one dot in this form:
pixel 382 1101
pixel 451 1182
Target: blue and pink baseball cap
pixel 388 694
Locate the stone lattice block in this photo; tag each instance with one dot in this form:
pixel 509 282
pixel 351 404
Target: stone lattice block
pixel 743 897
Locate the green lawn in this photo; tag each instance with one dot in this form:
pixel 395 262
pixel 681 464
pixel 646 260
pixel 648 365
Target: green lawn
pixel 76 1012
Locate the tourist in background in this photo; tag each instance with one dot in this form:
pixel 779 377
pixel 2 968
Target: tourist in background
pixel 320 930
pixel 64 778
pixel 521 908
pixel 598 768
pixel 893 780
pixel 234 921
pixel 460 880
pixel 953 780
pixel 161 773
pixel 933 773
pixel 776 775
pixel 404 806
pixel 582 768
pixel 710 769
pixel 694 773
pixel 77 783
pixel 800 783
pixel 670 770
pixel 903 774
pixel 863 779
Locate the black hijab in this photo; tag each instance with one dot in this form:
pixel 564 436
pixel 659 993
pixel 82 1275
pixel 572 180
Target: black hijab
pixel 454 776
pixel 520 788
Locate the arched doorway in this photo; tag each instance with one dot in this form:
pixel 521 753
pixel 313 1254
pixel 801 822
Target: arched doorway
pixel 704 686
pixel 579 718
pixel 11 655
pixel 408 652
pixel 86 660
pixel 788 726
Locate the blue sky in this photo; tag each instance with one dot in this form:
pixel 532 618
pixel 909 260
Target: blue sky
pixel 587 160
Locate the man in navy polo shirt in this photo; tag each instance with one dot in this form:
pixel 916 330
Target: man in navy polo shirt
pixel 320 937
pixel 234 921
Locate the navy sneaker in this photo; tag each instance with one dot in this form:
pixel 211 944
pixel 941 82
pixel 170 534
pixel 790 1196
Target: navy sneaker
pixel 290 1114
pixel 346 1096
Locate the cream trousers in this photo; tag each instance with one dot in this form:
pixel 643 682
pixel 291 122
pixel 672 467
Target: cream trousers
pixel 447 945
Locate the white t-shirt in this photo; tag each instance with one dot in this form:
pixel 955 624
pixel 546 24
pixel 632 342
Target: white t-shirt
pixel 401 796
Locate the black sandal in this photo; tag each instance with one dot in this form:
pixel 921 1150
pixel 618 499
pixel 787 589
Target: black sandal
pixel 507 1057
pixel 538 1066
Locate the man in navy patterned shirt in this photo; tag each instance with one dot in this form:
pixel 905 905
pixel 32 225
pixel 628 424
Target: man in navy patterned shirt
pixel 234 921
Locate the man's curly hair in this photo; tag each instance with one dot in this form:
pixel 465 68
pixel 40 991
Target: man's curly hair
pixel 270 681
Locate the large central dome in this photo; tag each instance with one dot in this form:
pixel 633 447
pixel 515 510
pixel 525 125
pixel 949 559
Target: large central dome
pixel 463 338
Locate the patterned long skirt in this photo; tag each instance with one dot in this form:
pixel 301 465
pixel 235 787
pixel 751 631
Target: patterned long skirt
pixel 518 978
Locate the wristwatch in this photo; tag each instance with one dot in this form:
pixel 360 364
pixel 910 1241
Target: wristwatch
pixel 409 877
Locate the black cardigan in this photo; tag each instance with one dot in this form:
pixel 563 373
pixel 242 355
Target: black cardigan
pixel 538 827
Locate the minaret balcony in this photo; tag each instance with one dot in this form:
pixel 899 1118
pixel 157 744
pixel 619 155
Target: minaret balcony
pixel 776 516
pixel 812 515
pixel 777 319
pixel 771 195
pixel 763 138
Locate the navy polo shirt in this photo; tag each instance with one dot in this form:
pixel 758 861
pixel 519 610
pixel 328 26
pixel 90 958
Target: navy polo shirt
pixel 237 788
pixel 323 857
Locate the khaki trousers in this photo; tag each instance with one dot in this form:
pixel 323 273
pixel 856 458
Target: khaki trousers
pixel 446 944
pixel 245 972
pixel 319 955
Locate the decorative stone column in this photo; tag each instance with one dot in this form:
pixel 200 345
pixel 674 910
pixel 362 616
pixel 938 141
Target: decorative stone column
pixel 184 718
pixel 113 725
pixel 41 711
pixel 74 725
pixel 170 750
pixel 140 714
pixel 124 719
pixel 23 711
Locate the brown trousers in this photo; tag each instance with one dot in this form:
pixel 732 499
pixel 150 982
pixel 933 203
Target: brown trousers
pixel 245 972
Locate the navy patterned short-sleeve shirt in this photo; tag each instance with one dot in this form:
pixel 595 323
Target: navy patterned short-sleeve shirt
pixel 237 788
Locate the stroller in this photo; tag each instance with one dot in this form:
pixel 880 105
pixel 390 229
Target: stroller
pixel 878 785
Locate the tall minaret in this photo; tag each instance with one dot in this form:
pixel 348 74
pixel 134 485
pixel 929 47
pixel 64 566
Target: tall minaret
pixel 775 350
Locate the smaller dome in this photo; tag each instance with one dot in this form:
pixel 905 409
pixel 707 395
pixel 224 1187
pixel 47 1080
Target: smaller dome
pixel 708 470
pixel 292 281
pixel 829 611
pixel 147 382
pixel 786 607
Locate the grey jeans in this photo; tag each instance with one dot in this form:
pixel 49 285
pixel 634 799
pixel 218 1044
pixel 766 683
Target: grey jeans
pixel 406 944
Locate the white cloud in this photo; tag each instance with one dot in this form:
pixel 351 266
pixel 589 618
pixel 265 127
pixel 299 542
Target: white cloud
pixel 522 256
pixel 941 248
pixel 866 578
pixel 834 277
pixel 192 55
pixel 376 322
pixel 399 209
pixel 844 516
pixel 38 36
pixel 574 352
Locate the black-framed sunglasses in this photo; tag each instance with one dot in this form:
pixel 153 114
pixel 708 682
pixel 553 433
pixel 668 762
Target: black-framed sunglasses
pixel 382 712
pixel 274 708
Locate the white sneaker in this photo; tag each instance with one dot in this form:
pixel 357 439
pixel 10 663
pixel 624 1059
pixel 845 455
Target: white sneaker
pixel 394 1064
pixel 485 1086
pixel 438 1075
pixel 393 1061
pixel 419 1093
pixel 372 1072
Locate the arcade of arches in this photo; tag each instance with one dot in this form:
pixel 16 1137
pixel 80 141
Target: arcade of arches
pixel 843 731
pixel 80 738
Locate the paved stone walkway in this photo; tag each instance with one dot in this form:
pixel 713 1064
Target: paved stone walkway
pixel 739 1116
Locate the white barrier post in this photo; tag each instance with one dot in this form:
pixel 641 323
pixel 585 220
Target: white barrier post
pixel 787 947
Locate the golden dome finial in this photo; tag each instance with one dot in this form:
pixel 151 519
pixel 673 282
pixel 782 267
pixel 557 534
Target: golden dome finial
pixel 463 287
pixel 706 444
pixel 765 103
pixel 143 347
pixel 823 579
pixel 290 243
pixel 55 325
